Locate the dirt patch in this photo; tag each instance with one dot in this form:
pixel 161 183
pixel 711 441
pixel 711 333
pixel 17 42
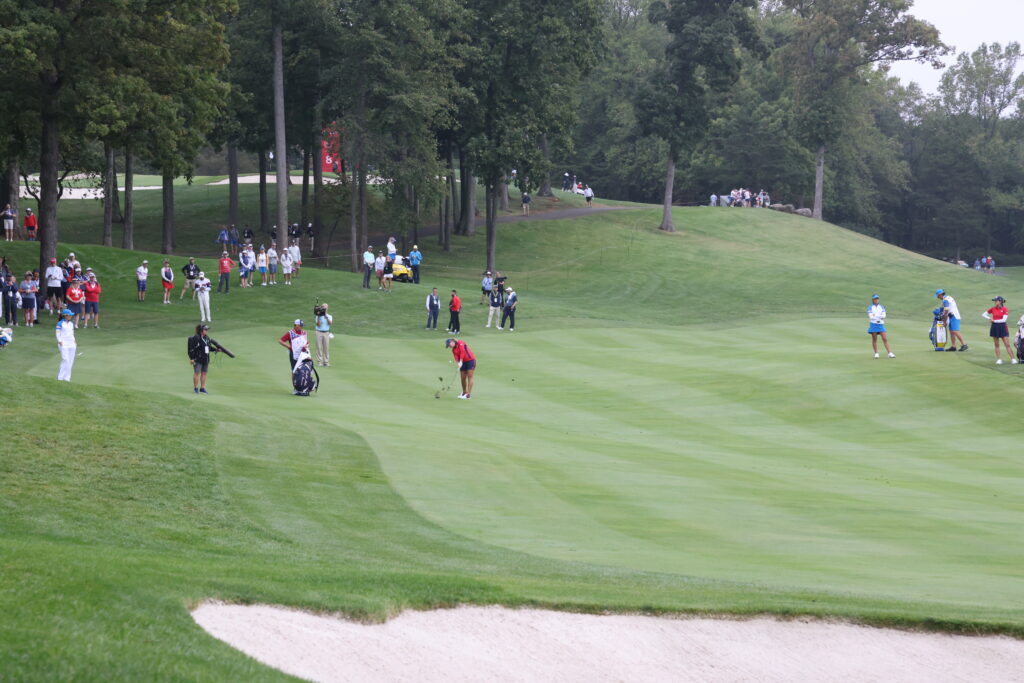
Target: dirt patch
pixel 501 644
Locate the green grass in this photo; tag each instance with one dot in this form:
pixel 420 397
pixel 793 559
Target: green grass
pixel 201 211
pixel 680 423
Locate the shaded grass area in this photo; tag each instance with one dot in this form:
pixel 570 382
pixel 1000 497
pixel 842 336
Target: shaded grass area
pixel 201 209
pixel 641 460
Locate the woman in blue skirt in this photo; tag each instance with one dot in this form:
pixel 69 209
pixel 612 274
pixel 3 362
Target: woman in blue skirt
pixel 876 326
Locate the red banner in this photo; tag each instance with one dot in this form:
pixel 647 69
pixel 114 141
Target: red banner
pixel 330 151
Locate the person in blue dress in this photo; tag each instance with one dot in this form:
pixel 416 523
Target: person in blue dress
pixel 876 326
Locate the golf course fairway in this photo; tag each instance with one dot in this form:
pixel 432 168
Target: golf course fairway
pixel 679 423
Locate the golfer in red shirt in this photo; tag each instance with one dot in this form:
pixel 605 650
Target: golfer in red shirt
pixel 454 306
pixel 999 314
pixel 467 364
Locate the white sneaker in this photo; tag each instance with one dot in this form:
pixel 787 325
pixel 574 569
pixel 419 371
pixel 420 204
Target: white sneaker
pixel 264 284
pixel 1013 361
pixel 876 355
pixel 487 325
pixel 462 396
pixel 999 362
pixel 501 328
pixel 892 355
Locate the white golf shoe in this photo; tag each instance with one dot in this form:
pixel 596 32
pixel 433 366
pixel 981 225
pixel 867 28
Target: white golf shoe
pixel 876 355
pixel 999 361
pixel 892 355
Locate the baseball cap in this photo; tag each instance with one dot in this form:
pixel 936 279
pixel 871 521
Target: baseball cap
pixel 204 327
pixel 66 312
pixel 145 261
pixel 939 291
pixel 53 260
pixel 298 321
pixel 202 274
pixel 874 296
pixel 191 258
pixel 999 298
pixel 508 289
pixel 71 255
pixel 448 341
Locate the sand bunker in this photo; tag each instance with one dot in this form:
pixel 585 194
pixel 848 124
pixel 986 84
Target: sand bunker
pixel 501 644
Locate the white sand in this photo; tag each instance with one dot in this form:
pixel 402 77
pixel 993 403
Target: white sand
pixel 501 644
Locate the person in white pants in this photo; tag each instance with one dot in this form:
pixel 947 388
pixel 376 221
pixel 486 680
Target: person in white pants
pixel 202 286
pixel 66 344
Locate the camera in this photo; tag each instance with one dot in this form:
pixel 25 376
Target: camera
pixel 318 310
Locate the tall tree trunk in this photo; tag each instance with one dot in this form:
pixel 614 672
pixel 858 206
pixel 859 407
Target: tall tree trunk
pixel 819 183
pixel 353 215
pixel 415 217
pixel 442 216
pixel 491 202
pixel 304 213
pixel 128 234
pixel 465 189
pixel 670 180
pixel 13 189
pixel 280 143
pixel 503 195
pixel 448 220
pixel 323 242
pixel 167 246
pixel 109 194
pixel 470 220
pixel 232 184
pixel 264 201
pixel 49 160
pixel 545 181
pixel 364 208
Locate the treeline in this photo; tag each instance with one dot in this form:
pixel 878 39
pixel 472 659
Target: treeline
pixel 652 101
pixel 420 91
pixel 941 174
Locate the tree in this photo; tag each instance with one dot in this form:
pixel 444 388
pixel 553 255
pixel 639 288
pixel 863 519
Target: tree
pixel 831 42
pixel 53 51
pixel 703 57
pixel 531 53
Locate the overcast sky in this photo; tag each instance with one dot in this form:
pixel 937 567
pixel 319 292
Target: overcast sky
pixel 963 24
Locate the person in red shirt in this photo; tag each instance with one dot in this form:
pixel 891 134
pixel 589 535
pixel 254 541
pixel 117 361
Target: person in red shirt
pixel 467 364
pixel 73 299
pixel 226 264
pixel 454 306
pixel 296 341
pixel 30 225
pixel 92 301
pixel 999 314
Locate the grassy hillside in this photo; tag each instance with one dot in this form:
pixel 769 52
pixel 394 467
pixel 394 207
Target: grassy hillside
pixel 688 422
pixel 201 208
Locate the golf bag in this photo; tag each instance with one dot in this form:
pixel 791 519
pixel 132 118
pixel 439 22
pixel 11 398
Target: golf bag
pixel 1018 340
pixel 305 379
pixel 938 334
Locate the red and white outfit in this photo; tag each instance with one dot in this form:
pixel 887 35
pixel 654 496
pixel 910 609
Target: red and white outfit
pixel 167 278
pixel 297 342
pixel 462 353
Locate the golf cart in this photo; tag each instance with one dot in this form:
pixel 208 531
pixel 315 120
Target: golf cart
pixel 401 270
